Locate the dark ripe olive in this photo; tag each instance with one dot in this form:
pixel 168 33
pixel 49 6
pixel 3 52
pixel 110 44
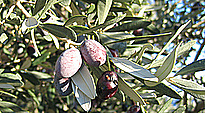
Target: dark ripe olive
pixel 107 85
pixel 134 109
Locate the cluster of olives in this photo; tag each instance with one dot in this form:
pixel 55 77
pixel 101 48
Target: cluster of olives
pixel 70 62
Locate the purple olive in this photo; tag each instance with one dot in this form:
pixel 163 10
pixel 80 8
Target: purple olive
pixel 107 85
pixel 134 109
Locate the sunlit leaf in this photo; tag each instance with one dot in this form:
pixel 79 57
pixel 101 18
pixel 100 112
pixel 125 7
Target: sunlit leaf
pixel 3 93
pixel 135 24
pixel 38 6
pixel 169 42
pixel 134 69
pixel 34 42
pixel 166 105
pixel 166 68
pixel 26 64
pixel 83 100
pixel 12 106
pixel 187 85
pixel 85 82
pixel 153 29
pixel 1 70
pixel 164 89
pixel 34 97
pixel 139 38
pixel 184 48
pixel 180 109
pixel 193 67
pixel 107 23
pixel 12 79
pixel 129 91
pixel 55 40
pixel 60 31
pixel 76 18
pixel 41 59
pixel 3 37
pixel 40 75
pixel 103 8
pixel 6 86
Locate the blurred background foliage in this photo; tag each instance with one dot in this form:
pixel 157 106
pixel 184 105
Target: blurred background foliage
pixel 29 49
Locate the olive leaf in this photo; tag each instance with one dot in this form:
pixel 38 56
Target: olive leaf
pixel 129 91
pixel 3 37
pixel 83 100
pixel 26 64
pixel 38 6
pixel 193 67
pixel 133 25
pixel 166 105
pixel 13 107
pixel 169 42
pixel 134 69
pixel 11 79
pixel 85 82
pixel 166 68
pixel 60 31
pixel 76 18
pixel 103 8
pixel 182 49
pixel 187 85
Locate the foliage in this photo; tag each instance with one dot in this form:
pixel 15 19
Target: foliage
pixel 33 34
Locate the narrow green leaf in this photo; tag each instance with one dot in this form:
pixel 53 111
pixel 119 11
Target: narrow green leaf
pixel 41 75
pixel 12 106
pixel 76 18
pixel 187 85
pixel 193 67
pixel 184 48
pixel 83 100
pixel 31 78
pixel 129 91
pixel 180 109
pixel 152 29
pixel 166 68
pixel 41 59
pixel 103 8
pixel 169 42
pixel 166 105
pixel 11 79
pixel 34 42
pixel 3 37
pixel 60 31
pixel 26 64
pixel 142 50
pixel 135 24
pixel 107 23
pixel 47 7
pixel 7 93
pixel 38 6
pixel 85 82
pixel 6 86
pixel 55 40
pixel 134 69
pixel 139 38
pixel 1 70
pixel 34 97
pixel 164 89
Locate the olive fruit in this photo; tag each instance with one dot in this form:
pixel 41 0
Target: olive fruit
pixel 138 32
pixel 134 109
pixel 63 85
pixel 68 63
pixel 107 85
pixel 93 53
